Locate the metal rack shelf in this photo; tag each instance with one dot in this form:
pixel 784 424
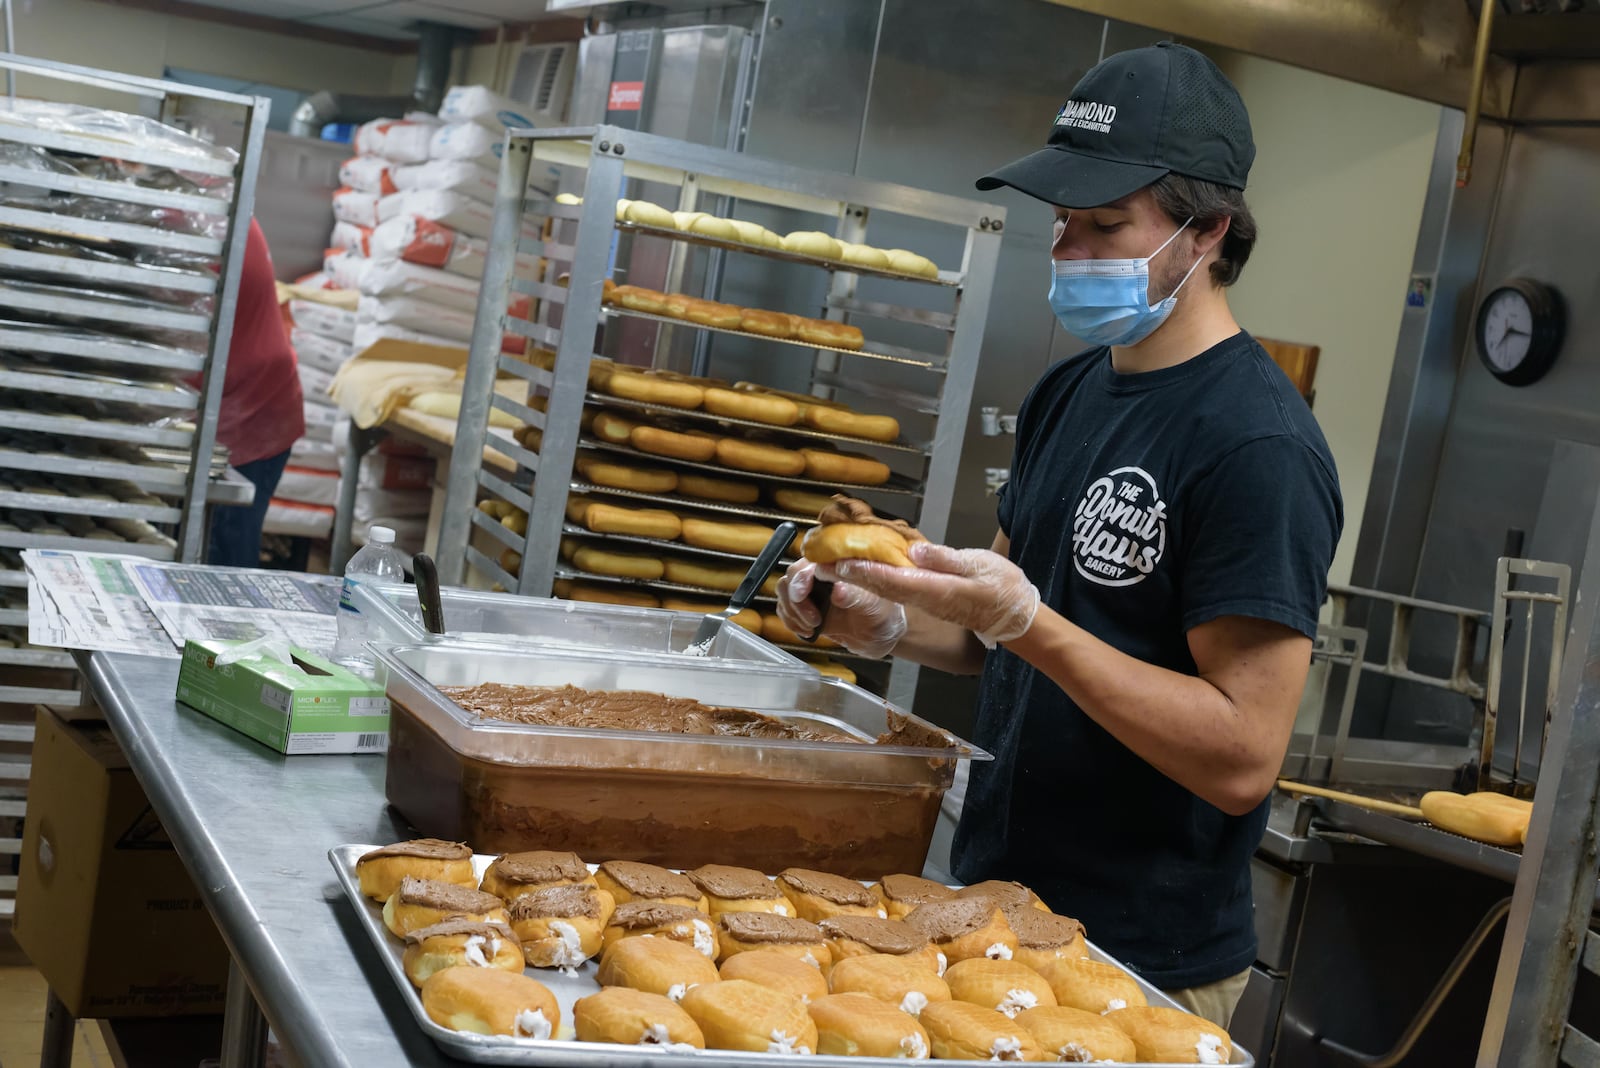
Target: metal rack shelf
pixel 85 506
pixel 896 484
pixel 59 341
pixel 575 531
pixel 669 501
pixel 62 302
pixel 868 351
pixel 89 387
pixel 26 540
pixel 118 274
pixel 64 426
pixel 567 571
pixel 606 400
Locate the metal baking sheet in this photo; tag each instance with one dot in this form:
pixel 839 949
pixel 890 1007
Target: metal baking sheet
pixel 567 571
pixel 45 264
pixel 70 505
pixel 129 192
pixel 896 483
pixel 158 477
pixel 869 351
pixel 97 230
pixel 564 1051
pixel 22 539
pixel 62 426
pixel 608 401
pixel 36 658
pixel 33 378
pixel 65 301
pixel 589 488
pixel 656 543
pixel 13 577
pixel 85 344
pixel 98 147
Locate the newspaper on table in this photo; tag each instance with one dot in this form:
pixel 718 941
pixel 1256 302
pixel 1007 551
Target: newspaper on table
pixel 129 604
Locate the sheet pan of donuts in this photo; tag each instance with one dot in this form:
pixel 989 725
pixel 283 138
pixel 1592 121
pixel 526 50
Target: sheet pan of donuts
pixel 542 958
pixel 810 244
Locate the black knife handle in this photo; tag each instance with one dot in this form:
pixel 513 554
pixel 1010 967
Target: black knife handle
pixel 763 565
pixel 427 576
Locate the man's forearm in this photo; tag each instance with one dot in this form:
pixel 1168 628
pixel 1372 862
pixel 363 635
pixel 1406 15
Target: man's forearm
pixel 937 644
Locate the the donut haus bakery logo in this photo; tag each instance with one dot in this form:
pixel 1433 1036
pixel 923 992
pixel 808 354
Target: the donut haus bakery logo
pixel 1120 529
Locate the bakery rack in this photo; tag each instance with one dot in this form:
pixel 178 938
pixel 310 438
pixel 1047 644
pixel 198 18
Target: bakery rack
pixel 581 241
pixel 108 305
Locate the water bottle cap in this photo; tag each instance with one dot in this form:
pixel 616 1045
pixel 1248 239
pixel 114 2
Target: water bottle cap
pixel 380 535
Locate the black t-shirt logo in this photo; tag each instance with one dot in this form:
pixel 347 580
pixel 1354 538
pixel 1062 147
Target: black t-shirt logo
pixel 1120 529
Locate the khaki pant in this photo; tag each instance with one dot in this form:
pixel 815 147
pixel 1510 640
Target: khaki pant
pixel 1214 1001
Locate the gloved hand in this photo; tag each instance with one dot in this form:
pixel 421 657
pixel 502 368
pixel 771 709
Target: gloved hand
pixel 865 624
pixel 972 588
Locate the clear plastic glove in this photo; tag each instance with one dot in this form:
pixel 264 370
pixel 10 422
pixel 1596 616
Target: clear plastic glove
pixel 863 623
pixel 972 588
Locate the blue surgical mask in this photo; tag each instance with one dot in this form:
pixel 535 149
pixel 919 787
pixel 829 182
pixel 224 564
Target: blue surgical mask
pixel 1107 302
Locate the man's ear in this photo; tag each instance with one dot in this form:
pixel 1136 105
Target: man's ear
pixel 1210 236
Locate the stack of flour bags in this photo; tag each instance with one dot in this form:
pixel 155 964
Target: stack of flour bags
pixel 321 331
pixel 414 217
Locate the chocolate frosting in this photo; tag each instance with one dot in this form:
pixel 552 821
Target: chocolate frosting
pixel 540 866
pixel 558 901
pixel 914 889
pixel 769 927
pixel 741 884
pixel 1001 892
pixel 458 927
pixel 1037 929
pixel 834 888
pixel 880 936
pixel 430 893
pixel 649 881
pixel 945 921
pixel 637 914
pixel 849 510
pixel 428 848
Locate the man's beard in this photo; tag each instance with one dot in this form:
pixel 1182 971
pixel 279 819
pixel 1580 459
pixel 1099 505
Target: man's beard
pixel 1168 275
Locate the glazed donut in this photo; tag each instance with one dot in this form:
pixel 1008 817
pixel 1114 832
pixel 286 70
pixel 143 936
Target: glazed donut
pixel 581 591
pixel 694 447
pixel 707 576
pixel 629 880
pixel 852 424
pixel 856 541
pixel 760 458
pixel 561 926
pixel 677 305
pixel 812 243
pixel 745 932
pixel 766 323
pixel 816 895
pixel 745 538
pixel 488 1001
pixel 1077 1036
pixel 849 468
pixel 903 982
pixel 514 874
pixel 961 1031
pixel 865 256
pixel 380 871
pixel 831 669
pixel 740 1015
pixel 677 922
pixel 960 929
pixel 775 630
pixel 1004 893
pixel 723 490
pixel 638 298
pixel 655 389
pixel 911 263
pixel 801 502
pixel 730 889
pixel 635 1018
pixel 644 213
pixel 714 313
pixel 856 1025
pixel 1172 1036
pixel 1044 936
pixel 419 903
pixel 776 971
pixel 754 407
pixel 609 426
pixel 637 522
pixel 830 333
pixel 902 893
pixel 460 943
pixel 1002 985
pixel 662 966
pixel 1090 985
pixel 858 936
pixel 750 620
pixel 624 477
pixel 598 561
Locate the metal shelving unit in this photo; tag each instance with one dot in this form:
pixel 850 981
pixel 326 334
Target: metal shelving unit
pixel 580 240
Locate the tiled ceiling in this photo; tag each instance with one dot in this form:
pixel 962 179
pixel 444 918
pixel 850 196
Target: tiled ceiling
pixel 394 19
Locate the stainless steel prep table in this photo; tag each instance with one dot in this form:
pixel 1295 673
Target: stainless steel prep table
pixel 253 828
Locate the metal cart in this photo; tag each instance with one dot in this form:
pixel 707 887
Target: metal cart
pixel 581 241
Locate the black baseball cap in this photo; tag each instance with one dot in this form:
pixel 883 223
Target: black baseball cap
pixel 1136 117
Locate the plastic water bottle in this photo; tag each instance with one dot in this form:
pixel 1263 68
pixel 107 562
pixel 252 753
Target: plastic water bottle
pixel 378 559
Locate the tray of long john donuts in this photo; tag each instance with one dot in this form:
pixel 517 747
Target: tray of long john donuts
pixel 540 957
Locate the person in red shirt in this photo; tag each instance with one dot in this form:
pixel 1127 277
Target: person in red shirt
pixel 263 412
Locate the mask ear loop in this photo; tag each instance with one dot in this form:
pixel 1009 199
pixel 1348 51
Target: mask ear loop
pixel 1184 281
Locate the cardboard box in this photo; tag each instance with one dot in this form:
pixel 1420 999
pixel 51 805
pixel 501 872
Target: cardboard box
pixel 320 709
pixel 105 909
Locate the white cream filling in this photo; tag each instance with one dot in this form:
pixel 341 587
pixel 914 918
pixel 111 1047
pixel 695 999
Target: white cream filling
pixel 676 991
pixel 1006 1049
pixel 786 1043
pixel 998 951
pixel 1017 1000
pixel 474 950
pixel 1209 1050
pixel 781 909
pixel 810 959
pixel 944 962
pixel 1075 1054
pixel 1113 1005
pixel 568 953
pixel 914 1047
pixel 914 1002
pixel 530 1023
pixel 883 914
pixel 705 939
pixel 656 1034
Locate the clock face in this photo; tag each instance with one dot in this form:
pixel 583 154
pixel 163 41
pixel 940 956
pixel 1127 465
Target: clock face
pixel 1507 330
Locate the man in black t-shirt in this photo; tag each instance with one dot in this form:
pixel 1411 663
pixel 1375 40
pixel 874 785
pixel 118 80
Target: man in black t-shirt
pixel 1144 619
